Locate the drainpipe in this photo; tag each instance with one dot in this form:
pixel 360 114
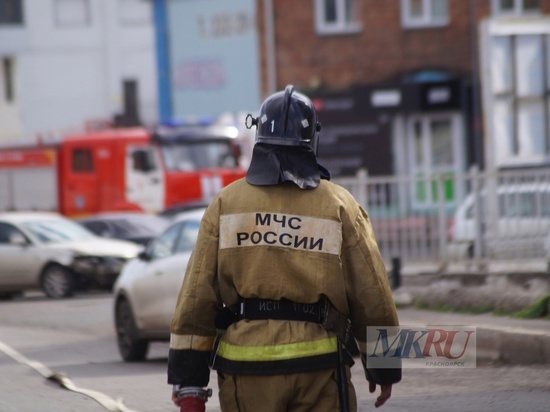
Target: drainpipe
pixel 163 60
pixel 476 78
pixel 270 47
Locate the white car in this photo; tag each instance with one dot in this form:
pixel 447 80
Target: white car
pixel 147 288
pixel 522 223
pixel 50 252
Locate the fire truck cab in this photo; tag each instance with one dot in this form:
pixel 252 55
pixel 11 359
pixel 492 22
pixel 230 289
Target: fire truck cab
pixel 198 160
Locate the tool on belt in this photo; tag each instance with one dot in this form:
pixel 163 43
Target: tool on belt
pixel 321 312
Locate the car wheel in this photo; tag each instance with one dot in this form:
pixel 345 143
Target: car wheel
pixel 131 348
pixel 57 282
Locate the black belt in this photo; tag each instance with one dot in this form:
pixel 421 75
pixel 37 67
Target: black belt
pixel 322 312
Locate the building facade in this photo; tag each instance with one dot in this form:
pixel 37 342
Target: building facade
pixel 69 64
pixel 417 87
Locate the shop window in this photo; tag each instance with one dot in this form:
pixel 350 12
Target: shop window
pixel 424 13
pixel 82 160
pixel 441 143
pixel 11 11
pixel 434 140
pixel 337 16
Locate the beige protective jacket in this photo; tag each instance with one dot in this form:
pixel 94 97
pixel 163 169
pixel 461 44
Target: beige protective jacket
pixel 275 242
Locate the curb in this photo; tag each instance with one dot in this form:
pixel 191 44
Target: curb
pixel 499 339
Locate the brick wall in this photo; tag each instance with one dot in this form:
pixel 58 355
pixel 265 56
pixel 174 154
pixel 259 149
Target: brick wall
pixel 382 49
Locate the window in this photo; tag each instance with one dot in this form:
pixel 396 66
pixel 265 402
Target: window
pixel 337 16
pixel 515 7
pixel 521 204
pixel 11 12
pixel 7 74
pixel 164 245
pixel 82 160
pixel 424 13
pixel 521 88
pixel 99 228
pixel 144 160
pixel 195 155
pixel 188 237
pixel 72 13
pixel 10 234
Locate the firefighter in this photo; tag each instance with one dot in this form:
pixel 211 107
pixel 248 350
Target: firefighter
pixel 285 269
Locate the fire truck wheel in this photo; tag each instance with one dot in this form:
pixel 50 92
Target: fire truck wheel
pixel 57 282
pixel 131 348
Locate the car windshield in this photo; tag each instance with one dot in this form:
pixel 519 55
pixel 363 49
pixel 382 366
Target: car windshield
pixel 57 231
pixel 190 156
pixel 142 225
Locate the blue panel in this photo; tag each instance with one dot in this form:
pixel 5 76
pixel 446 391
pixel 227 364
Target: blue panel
pixel 214 59
pixel 163 63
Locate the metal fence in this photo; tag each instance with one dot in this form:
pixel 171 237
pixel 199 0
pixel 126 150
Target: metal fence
pixel 445 218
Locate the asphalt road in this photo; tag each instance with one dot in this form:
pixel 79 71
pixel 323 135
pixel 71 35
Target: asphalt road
pixel 75 338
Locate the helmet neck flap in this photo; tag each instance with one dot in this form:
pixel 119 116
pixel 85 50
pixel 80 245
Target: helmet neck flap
pixel 272 165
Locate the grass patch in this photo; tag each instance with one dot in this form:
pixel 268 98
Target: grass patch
pixel 478 310
pixel 443 307
pixel 537 309
pixel 503 312
pixel 440 307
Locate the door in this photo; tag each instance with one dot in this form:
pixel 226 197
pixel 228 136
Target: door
pixel 80 182
pixel 435 150
pixel 20 264
pixel 144 178
pixel 175 271
pixel 149 287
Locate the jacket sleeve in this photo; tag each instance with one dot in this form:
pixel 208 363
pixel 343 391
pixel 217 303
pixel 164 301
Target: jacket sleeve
pixel 193 332
pixel 367 287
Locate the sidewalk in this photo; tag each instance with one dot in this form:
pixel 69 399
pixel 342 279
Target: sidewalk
pixel 500 286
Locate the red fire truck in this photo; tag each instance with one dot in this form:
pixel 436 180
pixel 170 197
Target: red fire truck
pixel 120 169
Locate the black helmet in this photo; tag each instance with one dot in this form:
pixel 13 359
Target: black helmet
pixel 287 118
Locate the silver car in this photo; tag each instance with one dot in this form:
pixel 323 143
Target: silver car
pixel 147 288
pixel 50 252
